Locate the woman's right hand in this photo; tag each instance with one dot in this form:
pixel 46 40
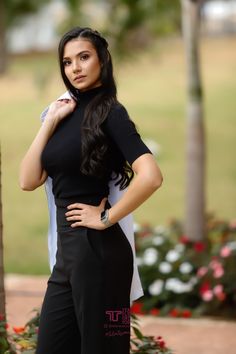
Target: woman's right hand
pixel 60 109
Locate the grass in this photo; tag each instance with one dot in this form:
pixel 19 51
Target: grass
pixel 152 87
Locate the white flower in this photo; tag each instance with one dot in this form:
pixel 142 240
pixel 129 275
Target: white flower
pixel 165 267
pixel 150 256
pixel 185 268
pixel 177 286
pixel 157 240
pixel 180 248
pixel 172 256
pixel 160 229
pixel 186 287
pixel 193 280
pixel 156 287
pixel 171 284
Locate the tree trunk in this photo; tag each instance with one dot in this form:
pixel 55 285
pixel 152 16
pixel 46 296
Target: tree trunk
pixel 2 288
pixel 3 51
pixel 195 179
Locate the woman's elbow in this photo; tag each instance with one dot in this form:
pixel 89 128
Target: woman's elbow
pixel 153 181
pixel 29 182
pixel 148 170
pixel 26 186
pixel 157 181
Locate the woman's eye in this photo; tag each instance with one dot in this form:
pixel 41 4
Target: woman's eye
pixel 66 62
pixel 84 57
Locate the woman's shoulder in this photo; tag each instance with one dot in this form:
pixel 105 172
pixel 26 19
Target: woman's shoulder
pixel 118 111
pixel 118 119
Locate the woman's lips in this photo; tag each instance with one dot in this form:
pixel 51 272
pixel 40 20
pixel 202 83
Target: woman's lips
pixel 79 78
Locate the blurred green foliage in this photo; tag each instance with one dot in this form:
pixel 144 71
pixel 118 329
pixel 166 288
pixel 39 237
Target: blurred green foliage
pixel 15 9
pixel 134 23
pixel 152 87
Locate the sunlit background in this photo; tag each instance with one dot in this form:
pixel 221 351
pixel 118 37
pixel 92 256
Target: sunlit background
pixel 150 67
pixel 175 67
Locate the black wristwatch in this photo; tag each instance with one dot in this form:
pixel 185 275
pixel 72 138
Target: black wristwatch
pixel 105 217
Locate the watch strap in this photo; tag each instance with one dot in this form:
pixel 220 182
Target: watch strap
pixel 105 217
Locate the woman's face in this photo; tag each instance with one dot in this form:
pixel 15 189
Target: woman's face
pixel 81 64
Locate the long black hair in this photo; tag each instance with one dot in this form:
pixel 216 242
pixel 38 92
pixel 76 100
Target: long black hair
pixel 95 143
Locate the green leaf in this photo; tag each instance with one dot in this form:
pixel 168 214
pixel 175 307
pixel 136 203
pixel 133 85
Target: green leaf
pixel 138 333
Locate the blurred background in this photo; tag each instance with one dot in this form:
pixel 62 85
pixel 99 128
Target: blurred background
pixel 150 49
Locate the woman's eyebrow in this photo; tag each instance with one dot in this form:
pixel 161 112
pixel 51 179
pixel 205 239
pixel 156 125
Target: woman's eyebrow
pixel 78 54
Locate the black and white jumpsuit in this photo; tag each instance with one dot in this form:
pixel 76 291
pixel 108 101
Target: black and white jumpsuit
pixel 86 308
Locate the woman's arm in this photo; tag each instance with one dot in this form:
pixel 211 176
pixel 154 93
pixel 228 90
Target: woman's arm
pixel 147 180
pixel 32 174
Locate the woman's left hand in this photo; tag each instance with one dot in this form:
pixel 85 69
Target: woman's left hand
pixel 86 215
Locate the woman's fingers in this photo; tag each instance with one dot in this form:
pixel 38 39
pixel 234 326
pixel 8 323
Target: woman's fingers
pixel 85 214
pixel 77 224
pixel 73 217
pixel 74 212
pixel 66 100
pixel 76 206
pixel 61 108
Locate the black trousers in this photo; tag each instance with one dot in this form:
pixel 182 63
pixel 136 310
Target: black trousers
pixel 86 308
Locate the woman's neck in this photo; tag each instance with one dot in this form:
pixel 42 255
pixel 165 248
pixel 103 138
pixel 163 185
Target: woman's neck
pixel 89 94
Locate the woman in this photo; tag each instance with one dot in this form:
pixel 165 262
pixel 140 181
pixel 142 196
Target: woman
pixel 84 142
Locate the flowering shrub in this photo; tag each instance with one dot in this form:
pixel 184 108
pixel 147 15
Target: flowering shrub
pixel 181 277
pixel 141 344
pixel 216 281
pixel 4 344
pixel 24 339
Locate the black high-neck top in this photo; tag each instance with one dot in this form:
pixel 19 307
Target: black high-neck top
pixel 61 157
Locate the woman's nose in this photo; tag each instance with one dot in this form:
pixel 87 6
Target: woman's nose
pixel 76 67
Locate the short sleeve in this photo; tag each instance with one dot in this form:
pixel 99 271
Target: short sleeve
pixel 121 129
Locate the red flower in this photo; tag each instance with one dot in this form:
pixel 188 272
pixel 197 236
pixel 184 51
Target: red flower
pixel 162 343
pixel 7 325
pixel 186 314
pixel 137 308
pixel 219 292
pixel 154 312
pixel 18 329
pixel 184 239
pixel 174 313
pixel 204 287
pixel 2 317
pixel 199 246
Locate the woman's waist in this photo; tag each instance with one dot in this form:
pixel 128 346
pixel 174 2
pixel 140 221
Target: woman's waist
pixel 63 203
pixel 85 199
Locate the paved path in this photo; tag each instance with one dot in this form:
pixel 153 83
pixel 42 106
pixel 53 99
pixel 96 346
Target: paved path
pixel 185 336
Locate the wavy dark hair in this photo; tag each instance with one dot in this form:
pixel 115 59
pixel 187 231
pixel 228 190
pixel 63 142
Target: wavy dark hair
pixel 96 159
